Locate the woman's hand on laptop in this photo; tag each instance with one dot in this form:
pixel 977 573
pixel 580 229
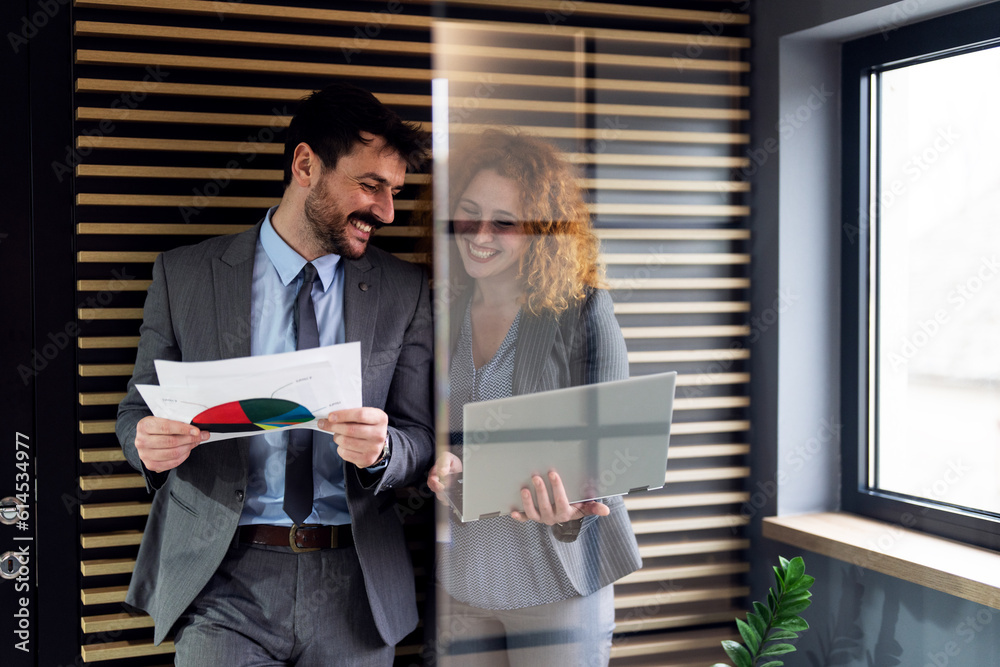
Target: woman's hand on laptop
pixel 441 475
pixel 558 509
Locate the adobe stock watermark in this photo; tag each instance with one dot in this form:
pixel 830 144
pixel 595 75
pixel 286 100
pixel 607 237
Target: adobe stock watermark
pixel 759 324
pixel 32 23
pixel 363 35
pixel 222 178
pixel 57 341
pixel 900 14
pixel 826 435
pixel 786 127
pixel 129 100
pixel 970 627
pixel 712 28
pixel 961 294
pixel 914 169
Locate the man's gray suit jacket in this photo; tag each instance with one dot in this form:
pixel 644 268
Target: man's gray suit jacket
pixel 198 309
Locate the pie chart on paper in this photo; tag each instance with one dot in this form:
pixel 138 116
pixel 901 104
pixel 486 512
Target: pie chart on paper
pixel 252 414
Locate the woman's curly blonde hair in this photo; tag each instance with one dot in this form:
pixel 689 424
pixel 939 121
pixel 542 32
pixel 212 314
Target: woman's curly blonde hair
pixel 562 258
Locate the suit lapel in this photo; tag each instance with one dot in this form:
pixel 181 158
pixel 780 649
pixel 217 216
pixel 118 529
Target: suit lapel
pixel 535 336
pixel 233 277
pixel 362 286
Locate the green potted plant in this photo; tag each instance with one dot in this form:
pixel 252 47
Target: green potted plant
pixel 768 627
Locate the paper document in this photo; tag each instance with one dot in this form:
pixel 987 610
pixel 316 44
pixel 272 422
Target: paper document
pixel 248 396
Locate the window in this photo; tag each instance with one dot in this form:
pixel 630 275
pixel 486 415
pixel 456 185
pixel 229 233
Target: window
pixel 921 259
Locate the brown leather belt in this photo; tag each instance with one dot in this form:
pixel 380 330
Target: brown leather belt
pixel 299 538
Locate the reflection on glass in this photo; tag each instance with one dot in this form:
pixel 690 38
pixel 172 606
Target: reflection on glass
pixel 938 286
pixel 526 315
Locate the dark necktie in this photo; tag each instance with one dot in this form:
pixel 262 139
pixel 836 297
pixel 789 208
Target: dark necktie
pixel 298 459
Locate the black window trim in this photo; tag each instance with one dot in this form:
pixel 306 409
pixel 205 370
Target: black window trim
pixel 966 30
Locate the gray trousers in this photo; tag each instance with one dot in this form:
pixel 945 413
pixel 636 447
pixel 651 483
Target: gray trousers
pixel 577 631
pixel 267 606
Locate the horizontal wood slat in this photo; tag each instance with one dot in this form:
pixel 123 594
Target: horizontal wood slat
pixel 713 331
pixel 192 201
pixel 646 527
pixel 677 356
pixel 657 550
pixel 706 474
pixel 636 160
pixel 707 451
pixel 631 622
pixel 395 47
pixel 700 379
pixel 106 342
pixel 672 644
pixel 693 428
pixel 100 567
pixel 133 648
pixel 675 572
pixel 629 284
pixel 101 454
pixel 90 85
pixel 104 482
pixel 101 398
pixel 673 234
pixel 676 258
pixel 92 427
pixel 711 402
pixel 306 68
pixel 114 510
pixel 166 229
pixel 680 307
pixel 642 501
pixel 204 146
pixel 115 622
pixel 405 21
pixel 671 210
pixel 104 595
pixel 607 9
pixel 103 370
pixel 663 185
pixel 118 538
pixel 632 600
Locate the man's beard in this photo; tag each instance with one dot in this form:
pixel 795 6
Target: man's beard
pixel 329 225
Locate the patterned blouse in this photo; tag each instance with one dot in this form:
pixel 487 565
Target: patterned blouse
pixel 496 563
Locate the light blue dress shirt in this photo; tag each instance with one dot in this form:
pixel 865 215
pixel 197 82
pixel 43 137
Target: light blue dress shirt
pixel 277 277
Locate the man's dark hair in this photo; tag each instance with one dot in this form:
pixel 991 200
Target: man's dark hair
pixel 331 121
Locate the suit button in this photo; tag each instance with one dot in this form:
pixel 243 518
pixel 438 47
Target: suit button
pixel 239 495
pixel 363 287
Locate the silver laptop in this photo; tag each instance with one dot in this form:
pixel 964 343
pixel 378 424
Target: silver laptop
pixel 603 439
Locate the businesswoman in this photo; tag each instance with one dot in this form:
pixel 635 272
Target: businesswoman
pixel 532 588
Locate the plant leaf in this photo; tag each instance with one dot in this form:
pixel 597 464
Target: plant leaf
pixel 784 562
pixel 777 649
pixel 779 578
pixel 793 623
pixel 803 583
pixel 794 571
pixel 758 624
pixel 751 636
pixel 782 634
pixel 772 600
pixel 794 607
pixel 796 596
pixel 721 664
pixel 737 653
pixel 773 663
pixel 763 611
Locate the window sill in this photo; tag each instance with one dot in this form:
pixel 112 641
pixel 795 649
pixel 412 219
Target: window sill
pixel 968 572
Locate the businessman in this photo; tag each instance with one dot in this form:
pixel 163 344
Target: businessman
pixel 281 549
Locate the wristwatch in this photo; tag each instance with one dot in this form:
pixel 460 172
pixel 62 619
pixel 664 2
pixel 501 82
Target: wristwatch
pixel 384 457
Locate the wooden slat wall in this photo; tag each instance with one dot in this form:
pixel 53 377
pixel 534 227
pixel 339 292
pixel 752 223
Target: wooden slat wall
pixel 180 111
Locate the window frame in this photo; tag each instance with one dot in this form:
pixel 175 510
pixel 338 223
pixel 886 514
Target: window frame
pixel 894 46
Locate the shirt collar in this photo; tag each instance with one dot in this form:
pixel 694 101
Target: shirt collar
pixel 289 263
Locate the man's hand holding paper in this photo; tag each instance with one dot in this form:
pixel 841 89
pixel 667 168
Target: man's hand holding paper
pixel 251 395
